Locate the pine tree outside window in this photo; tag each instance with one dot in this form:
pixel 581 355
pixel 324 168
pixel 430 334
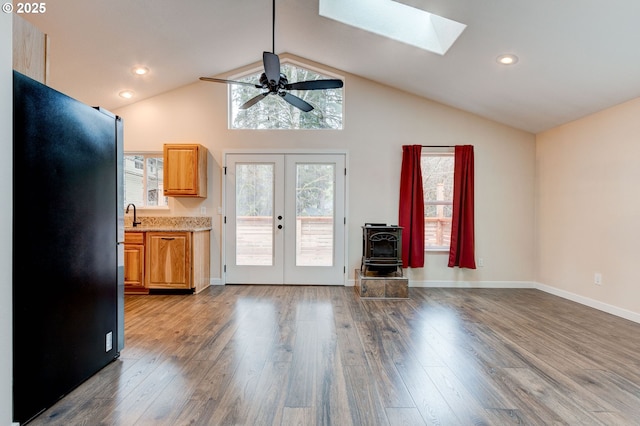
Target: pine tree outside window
pixel 274 113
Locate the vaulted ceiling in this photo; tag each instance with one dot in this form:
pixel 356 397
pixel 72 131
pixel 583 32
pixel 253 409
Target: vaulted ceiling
pixel 576 57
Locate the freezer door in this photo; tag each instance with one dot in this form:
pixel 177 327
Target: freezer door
pixel 65 261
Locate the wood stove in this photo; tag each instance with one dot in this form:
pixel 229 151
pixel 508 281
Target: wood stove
pixel 381 250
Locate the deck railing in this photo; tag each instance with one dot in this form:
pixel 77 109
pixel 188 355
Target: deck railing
pixel 315 237
pixel 437 231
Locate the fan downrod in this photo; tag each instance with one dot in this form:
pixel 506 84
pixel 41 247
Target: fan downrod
pixel 275 82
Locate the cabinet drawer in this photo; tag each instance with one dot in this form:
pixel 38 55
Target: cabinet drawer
pixel 134 237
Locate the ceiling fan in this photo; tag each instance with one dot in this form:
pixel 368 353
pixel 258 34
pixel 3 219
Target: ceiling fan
pixel 275 83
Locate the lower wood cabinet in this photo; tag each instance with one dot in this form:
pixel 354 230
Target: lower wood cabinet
pixel 168 261
pixel 177 260
pixel 134 263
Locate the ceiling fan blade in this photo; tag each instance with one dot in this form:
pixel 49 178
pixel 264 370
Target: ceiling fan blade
pixel 271 66
pixel 219 80
pixel 315 85
pixel 251 102
pixel 297 102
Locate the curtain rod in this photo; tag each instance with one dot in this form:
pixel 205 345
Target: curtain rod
pixel 438 146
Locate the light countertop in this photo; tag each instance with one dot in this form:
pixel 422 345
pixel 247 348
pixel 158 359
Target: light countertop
pixel 168 223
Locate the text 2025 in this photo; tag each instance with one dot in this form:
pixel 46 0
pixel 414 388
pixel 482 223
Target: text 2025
pixel 31 7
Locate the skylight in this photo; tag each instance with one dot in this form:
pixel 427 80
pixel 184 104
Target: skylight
pixel 396 21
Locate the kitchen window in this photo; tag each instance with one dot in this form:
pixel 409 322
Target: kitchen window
pixel 143 180
pixel 437 165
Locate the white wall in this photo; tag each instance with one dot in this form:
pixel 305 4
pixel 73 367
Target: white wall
pixel 588 209
pixel 378 120
pixel 6 226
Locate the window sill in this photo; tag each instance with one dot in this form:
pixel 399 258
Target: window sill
pixel 437 250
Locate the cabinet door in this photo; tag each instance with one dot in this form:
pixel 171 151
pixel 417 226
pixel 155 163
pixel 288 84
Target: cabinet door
pixel 168 260
pixel 185 170
pixel 133 267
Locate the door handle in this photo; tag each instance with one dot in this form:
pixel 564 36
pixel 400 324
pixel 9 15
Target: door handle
pixel 279 226
pixel 167 239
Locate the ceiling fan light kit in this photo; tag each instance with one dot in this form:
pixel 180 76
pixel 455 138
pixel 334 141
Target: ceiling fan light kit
pixel 276 83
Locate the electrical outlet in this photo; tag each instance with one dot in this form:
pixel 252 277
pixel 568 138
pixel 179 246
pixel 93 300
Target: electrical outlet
pixel 203 210
pixel 481 262
pixel 597 278
pixel 108 342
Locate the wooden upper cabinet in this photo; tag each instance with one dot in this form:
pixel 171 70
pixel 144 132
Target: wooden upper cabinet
pixel 30 50
pixel 185 170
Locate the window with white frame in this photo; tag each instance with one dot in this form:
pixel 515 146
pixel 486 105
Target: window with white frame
pixel 273 112
pixel 143 180
pixel 437 184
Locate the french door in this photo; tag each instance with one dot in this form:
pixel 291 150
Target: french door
pixel 285 220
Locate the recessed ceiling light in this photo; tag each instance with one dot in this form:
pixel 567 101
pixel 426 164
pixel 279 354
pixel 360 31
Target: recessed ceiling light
pixel 507 59
pixel 140 70
pixel 127 94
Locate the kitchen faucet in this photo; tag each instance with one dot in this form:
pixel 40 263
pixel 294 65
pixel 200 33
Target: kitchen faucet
pixel 134 214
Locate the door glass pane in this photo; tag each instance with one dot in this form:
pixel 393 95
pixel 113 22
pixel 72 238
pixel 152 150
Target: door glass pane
pixel 315 184
pixel 254 214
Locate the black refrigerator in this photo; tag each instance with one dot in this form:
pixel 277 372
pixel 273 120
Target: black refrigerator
pixel 68 252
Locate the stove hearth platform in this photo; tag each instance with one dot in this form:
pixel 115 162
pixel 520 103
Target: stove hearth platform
pixel 370 285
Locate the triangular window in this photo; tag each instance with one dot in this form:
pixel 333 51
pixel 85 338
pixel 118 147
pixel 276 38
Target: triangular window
pixel 273 112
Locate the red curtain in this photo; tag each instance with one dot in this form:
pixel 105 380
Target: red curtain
pixel 462 250
pixel 411 211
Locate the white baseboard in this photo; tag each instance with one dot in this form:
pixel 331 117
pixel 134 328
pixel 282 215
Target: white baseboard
pixel 216 281
pixel 462 284
pixel 472 284
pixel 601 306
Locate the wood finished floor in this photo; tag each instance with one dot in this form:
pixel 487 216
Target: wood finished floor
pixel 270 355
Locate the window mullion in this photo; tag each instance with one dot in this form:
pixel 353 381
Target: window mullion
pixel 145 196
